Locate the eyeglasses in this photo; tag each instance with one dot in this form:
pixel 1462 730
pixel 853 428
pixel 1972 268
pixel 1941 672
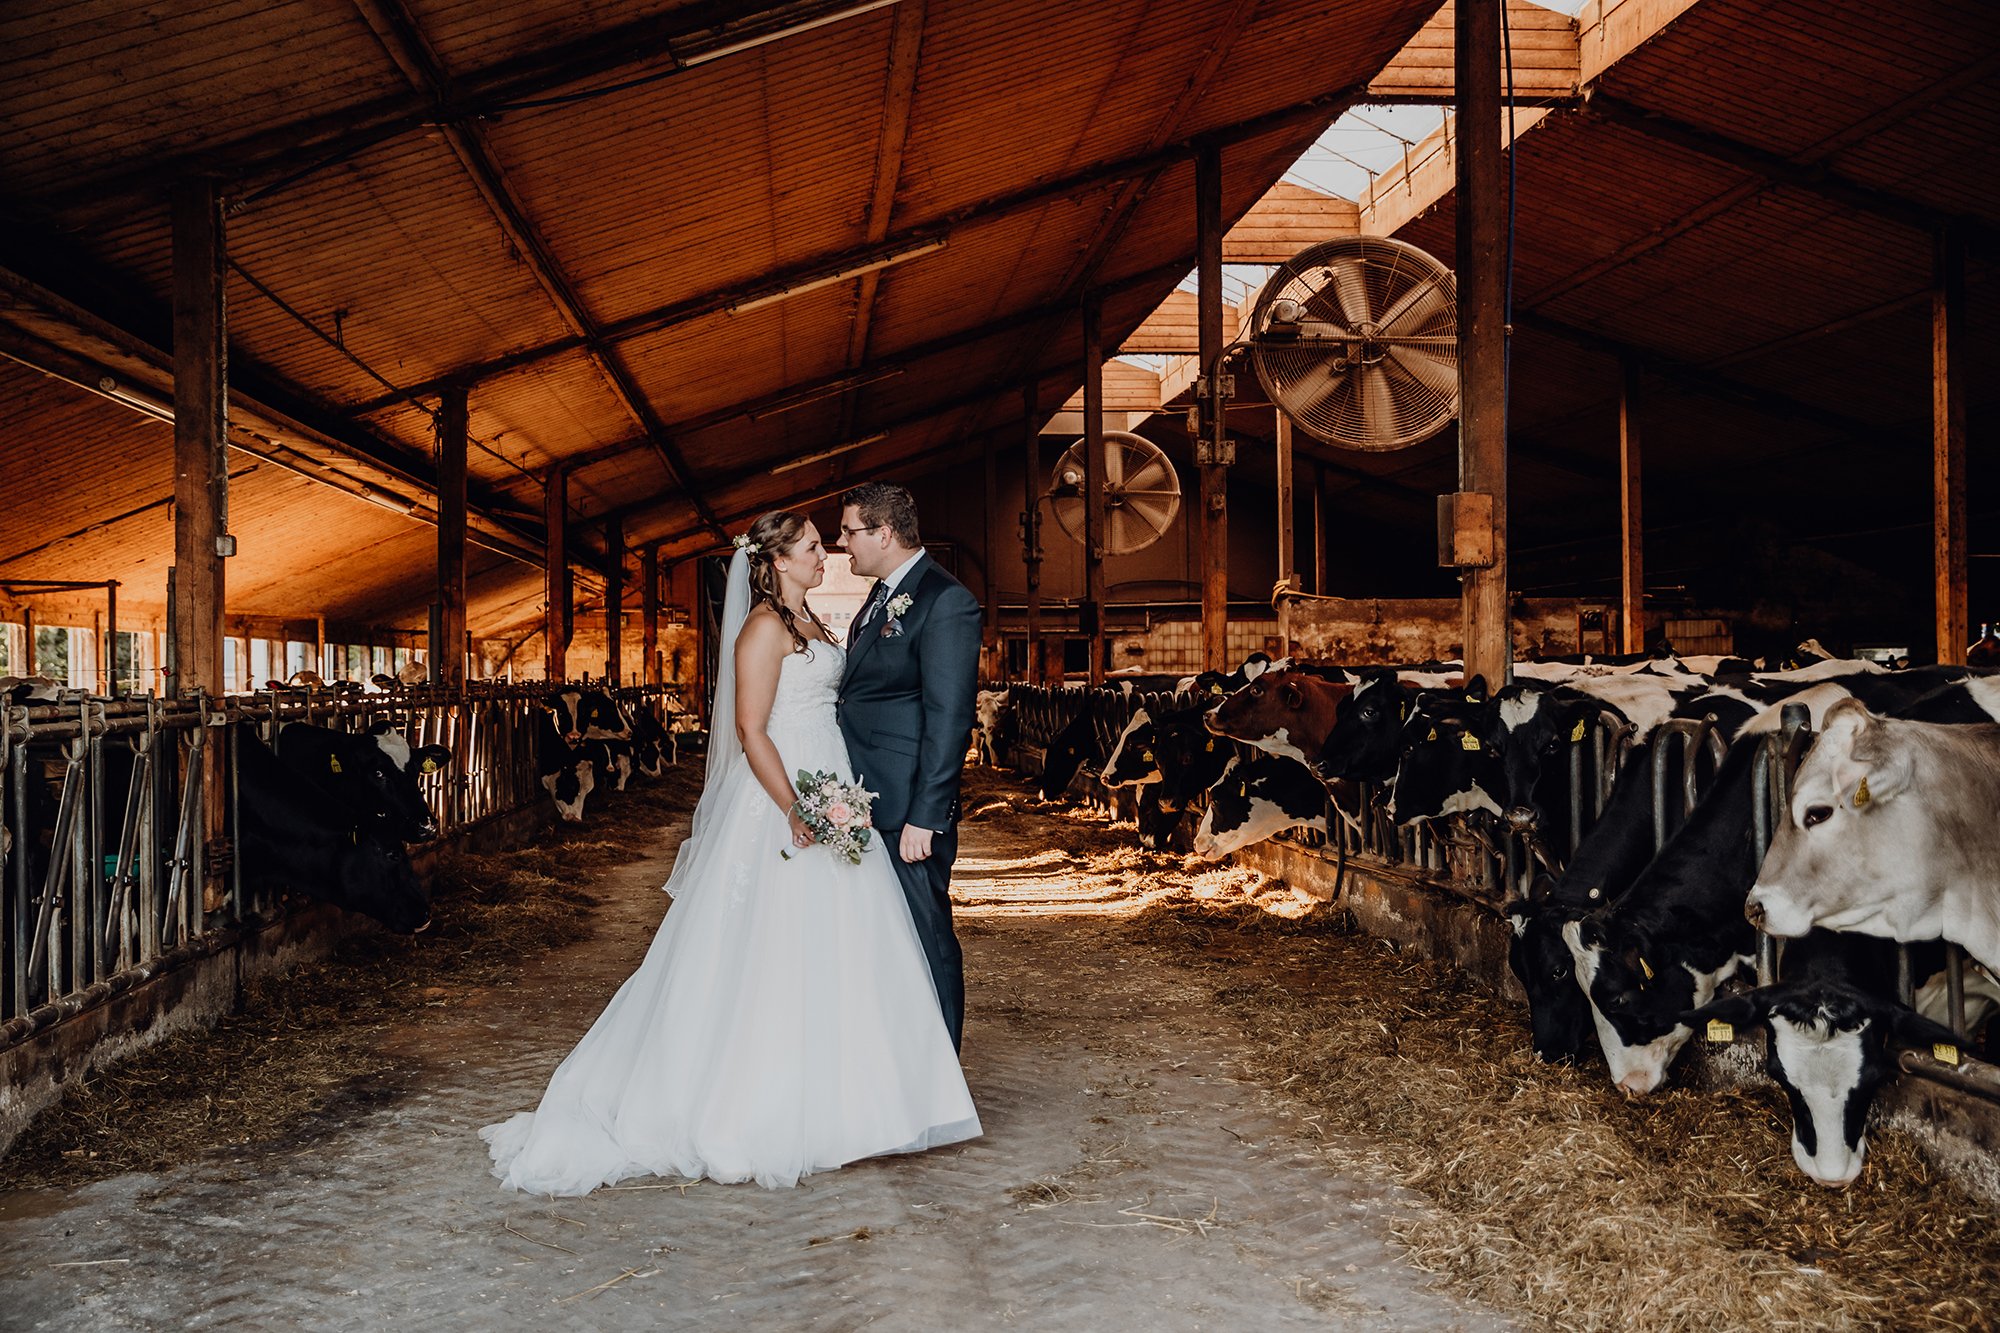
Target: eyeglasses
pixel 847 532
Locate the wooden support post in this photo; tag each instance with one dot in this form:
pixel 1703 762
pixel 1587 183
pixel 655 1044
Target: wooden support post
pixel 321 663
pixel 1319 530
pixel 111 641
pixel 201 485
pixel 448 648
pixel 1091 613
pixel 1212 452
pixel 1954 628
pixel 614 602
pixel 649 611
pixel 1632 525
pixel 1482 334
pixel 989 647
pixel 201 434
pixel 1031 525
pixel 1287 523
pixel 555 573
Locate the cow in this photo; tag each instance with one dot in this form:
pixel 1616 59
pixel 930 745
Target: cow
pixel 1287 711
pixel 1132 762
pixel 651 743
pixel 562 766
pixel 1890 832
pixel 588 715
pixel 992 710
pixel 375 773
pixel 1257 799
pixel 30 689
pixel 1832 1023
pixel 1070 748
pixel 1190 760
pixel 297 830
pixel 1679 931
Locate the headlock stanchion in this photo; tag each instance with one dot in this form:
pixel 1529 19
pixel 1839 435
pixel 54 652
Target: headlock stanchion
pixel 105 839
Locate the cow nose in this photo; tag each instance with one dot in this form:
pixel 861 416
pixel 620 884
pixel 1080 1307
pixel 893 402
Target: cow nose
pixel 1520 817
pixel 1753 911
pixel 1638 1083
pixel 573 737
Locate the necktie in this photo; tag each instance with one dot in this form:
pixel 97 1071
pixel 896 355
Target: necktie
pixel 876 596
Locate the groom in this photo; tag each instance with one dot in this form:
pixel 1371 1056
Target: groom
pixel 906 711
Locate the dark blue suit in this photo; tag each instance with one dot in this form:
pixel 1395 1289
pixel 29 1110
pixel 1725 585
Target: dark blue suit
pixel 906 711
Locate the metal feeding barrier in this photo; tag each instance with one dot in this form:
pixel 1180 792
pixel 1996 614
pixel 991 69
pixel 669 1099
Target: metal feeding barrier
pixel 105 830
pixel 1487 861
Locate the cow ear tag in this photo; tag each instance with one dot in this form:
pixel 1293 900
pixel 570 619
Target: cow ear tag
pixel 429 766
pixel 333 762
pixel 1861 796
pixel 1433 736
pixel 1468 741
pixel 1146 755
pixel 1210 747
pixel 1646 968
pixel 1945 1054
pixel 1577 733
pixel 1721 1033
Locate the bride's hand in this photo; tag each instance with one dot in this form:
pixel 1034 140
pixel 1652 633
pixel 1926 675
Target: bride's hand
pixel 802 835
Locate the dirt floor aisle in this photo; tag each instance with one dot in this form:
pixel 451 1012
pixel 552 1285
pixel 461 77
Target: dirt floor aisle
pixel 1130 1176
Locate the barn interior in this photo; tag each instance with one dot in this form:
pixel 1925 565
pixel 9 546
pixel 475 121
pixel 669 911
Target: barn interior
pixel 653 270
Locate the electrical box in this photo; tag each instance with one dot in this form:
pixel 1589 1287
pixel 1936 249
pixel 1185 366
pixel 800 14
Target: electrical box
pixel 1465 530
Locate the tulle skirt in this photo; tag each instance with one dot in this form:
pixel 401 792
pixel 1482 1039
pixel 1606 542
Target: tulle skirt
pixel 783 1022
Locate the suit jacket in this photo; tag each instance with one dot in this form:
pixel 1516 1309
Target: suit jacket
pixel 906 699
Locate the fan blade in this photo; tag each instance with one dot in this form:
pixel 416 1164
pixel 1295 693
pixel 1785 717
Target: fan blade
pixel 1114 463
pixel 1415 308
pixel 1378 404
pixel 1306 392
pixel 1155 515
pixel 1350 284
pixel 1437 373
pixel 1150 475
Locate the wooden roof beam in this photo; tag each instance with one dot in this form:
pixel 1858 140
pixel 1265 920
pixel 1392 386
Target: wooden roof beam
pixel 991 208
pixel 403 40
pixel 906 41
pixel 685 35
pixel 1781 170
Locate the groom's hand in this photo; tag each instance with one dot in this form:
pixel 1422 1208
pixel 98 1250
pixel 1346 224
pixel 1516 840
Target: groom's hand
pixel 916 843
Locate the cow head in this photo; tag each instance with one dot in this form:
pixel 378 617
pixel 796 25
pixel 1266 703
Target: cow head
pixel 374 877
pixel 1069 749
pixel 1558 1013
pixel 1451 760
pixel 1133 762
pixel 378 775
pixel 569 785
pixel 1367 734
pixel 1637 994
pixel 1830 1049
pixel 1853 851
pixel 1191 758
pixel 1257 800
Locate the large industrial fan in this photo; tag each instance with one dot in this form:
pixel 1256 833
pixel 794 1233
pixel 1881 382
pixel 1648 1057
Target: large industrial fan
pixel 1356 340
pixel 1142 492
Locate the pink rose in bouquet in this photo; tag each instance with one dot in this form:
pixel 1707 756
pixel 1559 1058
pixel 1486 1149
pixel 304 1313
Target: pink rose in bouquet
pixel 838 813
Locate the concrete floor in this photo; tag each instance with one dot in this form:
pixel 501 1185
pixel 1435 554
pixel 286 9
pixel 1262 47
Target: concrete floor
pixel 1128 1179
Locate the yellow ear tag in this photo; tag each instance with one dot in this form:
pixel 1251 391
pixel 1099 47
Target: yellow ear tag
pixel 1468 741
pixel 1944 1054
pixel 1210 747
pixel 1146 755
pixel 1433 736
pixel 429 766
pixel 333 761
pixel 1577 733
pixel 1215 689
pixel 1721 1033
pixel 1647 968
pixel 1861 796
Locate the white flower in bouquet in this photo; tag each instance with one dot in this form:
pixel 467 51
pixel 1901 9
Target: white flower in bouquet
pixel 838 813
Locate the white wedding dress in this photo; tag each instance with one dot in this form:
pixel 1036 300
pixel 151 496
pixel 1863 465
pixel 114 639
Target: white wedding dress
pixel 784 1020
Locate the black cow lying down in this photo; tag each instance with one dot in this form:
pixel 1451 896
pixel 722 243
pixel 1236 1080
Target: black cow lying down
pixel 298 832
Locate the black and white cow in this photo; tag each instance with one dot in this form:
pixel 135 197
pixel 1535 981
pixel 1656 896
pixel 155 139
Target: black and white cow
pixel 297 830
pixel 1366 739
pixel 1677 933
pixel 1259 799
pixel 1133 761
pixel 651 742
pixel 561 764
pixel 1834 1027
pixel 376 774
pixel 1891 832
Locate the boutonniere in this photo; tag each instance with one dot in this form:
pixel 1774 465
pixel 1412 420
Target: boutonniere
pixel 897 605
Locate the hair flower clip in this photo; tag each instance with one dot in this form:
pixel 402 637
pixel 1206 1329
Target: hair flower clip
pixel 744 544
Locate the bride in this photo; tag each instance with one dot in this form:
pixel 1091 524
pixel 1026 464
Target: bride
pixel 784 1020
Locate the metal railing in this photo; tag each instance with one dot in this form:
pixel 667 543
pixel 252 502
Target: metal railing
pixel 107 843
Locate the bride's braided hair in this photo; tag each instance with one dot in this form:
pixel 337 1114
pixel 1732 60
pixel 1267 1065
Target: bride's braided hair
pixel 771 535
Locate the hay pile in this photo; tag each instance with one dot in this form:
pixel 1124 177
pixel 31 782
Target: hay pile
pixel 304 1052
pixel 1557 1199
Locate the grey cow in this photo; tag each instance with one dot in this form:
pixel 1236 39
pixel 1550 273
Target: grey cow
pixel 1893 830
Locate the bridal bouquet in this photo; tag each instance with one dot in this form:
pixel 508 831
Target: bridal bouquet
pixel 837 813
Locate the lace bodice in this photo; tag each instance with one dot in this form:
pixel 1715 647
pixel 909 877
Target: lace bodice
pixel 808 683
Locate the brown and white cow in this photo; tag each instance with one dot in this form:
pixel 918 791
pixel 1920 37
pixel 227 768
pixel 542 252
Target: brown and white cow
pixel 1890 832
pixel 1287 711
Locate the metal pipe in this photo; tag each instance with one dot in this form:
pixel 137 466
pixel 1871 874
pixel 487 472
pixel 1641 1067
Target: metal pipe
pixel 1954 981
